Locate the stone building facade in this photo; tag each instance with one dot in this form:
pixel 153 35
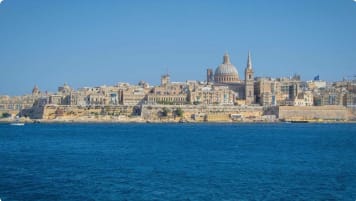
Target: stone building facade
pixel 168 92
pixel 226 74
pixel 280 91
pixel 211 95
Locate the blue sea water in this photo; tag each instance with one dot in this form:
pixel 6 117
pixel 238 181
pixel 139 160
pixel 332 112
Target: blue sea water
pixel 178 162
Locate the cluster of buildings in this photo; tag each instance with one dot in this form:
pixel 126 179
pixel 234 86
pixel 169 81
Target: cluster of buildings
pixel 223 87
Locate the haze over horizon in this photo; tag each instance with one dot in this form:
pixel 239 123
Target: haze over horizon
pixel 91 43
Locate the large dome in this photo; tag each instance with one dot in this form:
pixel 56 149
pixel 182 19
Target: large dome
pixel 226 72
pixel 226 69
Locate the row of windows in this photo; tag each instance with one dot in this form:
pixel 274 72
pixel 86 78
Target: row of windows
pixel 226 79
pixel 175 99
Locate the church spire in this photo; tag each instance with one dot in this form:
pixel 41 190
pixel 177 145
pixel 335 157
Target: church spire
pixel 249 82
pixel 249 63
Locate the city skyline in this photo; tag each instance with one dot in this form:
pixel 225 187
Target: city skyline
pixel 90 44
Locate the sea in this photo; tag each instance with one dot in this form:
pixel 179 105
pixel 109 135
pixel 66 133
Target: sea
pixel 228 162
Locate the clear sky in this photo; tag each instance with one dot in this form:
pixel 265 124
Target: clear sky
pixel 92 43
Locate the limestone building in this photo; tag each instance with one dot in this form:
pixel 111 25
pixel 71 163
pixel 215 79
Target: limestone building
pixel 280 91
pixel 211 95
pixel 304 98
pixel 174 93
pixel 226 74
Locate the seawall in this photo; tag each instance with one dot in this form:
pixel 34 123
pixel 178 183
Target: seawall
pixel 314 113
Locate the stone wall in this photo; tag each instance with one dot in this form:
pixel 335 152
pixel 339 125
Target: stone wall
pixel 65 112
pixel 33 113
pixel 202 112
pixel 352 111
pixel 334 113
pixel 12 112
pixel 194 113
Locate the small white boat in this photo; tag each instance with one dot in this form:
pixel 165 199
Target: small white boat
pixel 17 124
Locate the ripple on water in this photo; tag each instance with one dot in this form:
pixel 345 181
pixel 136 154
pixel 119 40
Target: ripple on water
pixel 178 162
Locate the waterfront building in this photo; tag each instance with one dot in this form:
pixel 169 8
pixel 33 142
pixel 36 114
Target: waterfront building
pixel 288 88
pixel 266 90
pixel 97 99
pixel 132 95
pixel 226 74
pixel 329 96
pixel 349 85
pixel 211 95
pixel 304 98
pixel 173 93
pixel 280 91
pixel 337 93
pixel 55 99
pixel 16 103
pixel 78 98
pixel 349 100
pixel 222 88
pixel 170 99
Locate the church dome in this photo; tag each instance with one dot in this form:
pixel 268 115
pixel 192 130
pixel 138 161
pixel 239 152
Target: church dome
pixel 226 72
pixel 35 90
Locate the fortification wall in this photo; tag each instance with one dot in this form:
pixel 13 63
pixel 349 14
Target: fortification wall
pixel 190 113
pixel 33 113
pixel 337 113
pixel 352 111
pixel 64 112
pixel 12 112
pixel 202 112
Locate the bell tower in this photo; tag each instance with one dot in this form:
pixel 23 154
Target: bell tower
pixel 249 82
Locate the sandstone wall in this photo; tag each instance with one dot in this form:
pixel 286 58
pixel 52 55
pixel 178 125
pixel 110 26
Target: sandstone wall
pixel 193 113
pixel 202 113
pixel 63 112
pixel 313 113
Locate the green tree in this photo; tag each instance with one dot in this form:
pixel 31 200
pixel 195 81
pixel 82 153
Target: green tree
pixel 165 111
pixel 179 112
pixel 5 115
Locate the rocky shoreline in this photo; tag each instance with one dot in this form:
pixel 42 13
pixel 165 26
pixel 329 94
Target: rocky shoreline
pixel 140 120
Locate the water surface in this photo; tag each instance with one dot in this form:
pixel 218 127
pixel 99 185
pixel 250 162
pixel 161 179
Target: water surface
pixel 178 162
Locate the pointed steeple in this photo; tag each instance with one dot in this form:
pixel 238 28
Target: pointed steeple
pixel 249 63
pixel 249 82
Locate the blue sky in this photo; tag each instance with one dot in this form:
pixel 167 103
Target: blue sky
pixel 92 43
